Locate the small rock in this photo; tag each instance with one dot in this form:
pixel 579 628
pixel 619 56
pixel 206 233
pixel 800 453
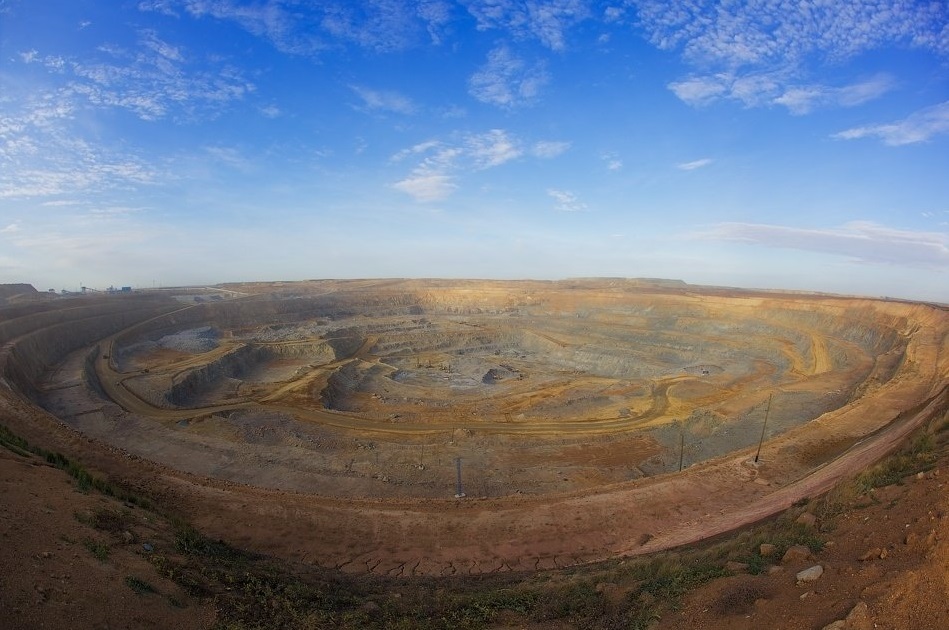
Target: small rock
pixel 840 624
pixel 811 574
pixel 796 553
pixel 859 618
pixel 883 554
pixel 920 475
pixel 775 569
pixel 805 595
pixel 807 519
pixel 767 550
pixel 47 554
pixel 147 547
pixel 127 537
pixel 736 567
pixel 871 554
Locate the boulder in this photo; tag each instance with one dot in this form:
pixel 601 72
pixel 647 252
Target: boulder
pixel 796 553
pixel 811 574
pixel 807 519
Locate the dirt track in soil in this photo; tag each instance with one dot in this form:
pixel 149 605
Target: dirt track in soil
pixel 412 536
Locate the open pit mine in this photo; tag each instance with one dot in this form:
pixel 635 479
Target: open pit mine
pixel 411 427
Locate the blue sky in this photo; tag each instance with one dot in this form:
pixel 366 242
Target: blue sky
pixel 758 144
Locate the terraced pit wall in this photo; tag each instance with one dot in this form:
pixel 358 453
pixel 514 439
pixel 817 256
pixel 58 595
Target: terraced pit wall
pixel 35 338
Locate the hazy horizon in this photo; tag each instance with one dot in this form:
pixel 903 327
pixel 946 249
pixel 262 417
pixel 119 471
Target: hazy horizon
pixel 751 145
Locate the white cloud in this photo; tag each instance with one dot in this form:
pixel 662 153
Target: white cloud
pixel 691 166
pixel 421 147
pixel 566 201
pixel 442 162
pixel 917 127
pixel 311 28
pixel 153 81
pixel 424 186
pixel 762 34
pixel 381 100
pixel 492 149
pixel 10 229
pixel 386 25
pixel 802 100
pixel 549 148
pixel 544 20
pixel 777 88
pixel 613 14
pixel 230 157
pixel 613 161
pixel 287 29
pixel 151 40
pixel 862 241
pixel 762 53
pixel 433 178
pixel 507 81
pixel 698 91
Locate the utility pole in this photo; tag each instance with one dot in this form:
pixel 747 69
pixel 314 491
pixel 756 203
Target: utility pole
pixel 764 426
pixel 459 492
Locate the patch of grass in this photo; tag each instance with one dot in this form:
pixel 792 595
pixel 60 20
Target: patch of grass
pixel 107 519
pixel 919 456
pixel 141 587
pixel 84 479
pixel 480 607
pixel 738 598
pixel 191 542
pixel 98 549
pixel 668 578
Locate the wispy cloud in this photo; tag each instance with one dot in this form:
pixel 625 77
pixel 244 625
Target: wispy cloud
pixel 312 28
pixel 776 88
pixel 507 81
pixel 493 148
pixel 917 127
pixel 434 178
pixel 549 148
pixel 10 228
pixel 276 21
pixel 230 157
pixel 153 81
pixel 566 201
pixel 386 25
pixel 691 166
pixel 862 241
pixel 612 160
pixel 422 185
pixel 774 33
pixel 384 101
pixel 761 53
pixel 546 21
